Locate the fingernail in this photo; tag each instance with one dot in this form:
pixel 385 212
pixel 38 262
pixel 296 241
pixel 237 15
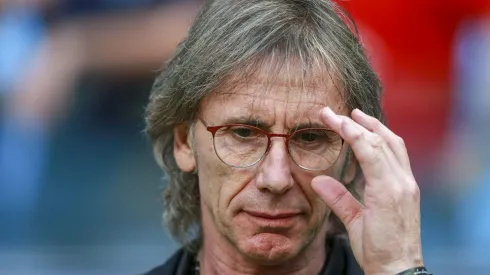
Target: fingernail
pixel 359 111
pixel 328 112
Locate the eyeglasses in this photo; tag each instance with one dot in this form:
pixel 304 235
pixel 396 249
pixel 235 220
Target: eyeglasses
pixel 241 145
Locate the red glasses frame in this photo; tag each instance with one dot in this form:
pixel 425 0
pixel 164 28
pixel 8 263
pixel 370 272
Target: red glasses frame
pixel 214 129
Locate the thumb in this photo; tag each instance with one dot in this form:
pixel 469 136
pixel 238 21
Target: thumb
pixel 338 199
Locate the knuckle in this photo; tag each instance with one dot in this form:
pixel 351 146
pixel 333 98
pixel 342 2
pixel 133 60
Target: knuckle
pixel 407 189
pixel 350 218
pixel 377 125
pixel 377 141
pixel 401 142
pixel 369 156
pixel 359 136
pixel 340 197
pixel 413 189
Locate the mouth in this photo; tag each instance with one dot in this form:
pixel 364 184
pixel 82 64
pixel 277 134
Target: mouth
pixel 273 219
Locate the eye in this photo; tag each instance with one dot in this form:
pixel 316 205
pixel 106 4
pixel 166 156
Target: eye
pixel 308 136
pixel 314 137
pixel 242 132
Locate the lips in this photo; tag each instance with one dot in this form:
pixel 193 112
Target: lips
pixel 272 215
pixel 279 220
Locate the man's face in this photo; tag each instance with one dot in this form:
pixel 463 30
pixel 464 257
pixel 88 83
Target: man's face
pixel 268 211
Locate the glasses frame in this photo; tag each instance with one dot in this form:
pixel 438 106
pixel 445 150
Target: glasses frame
pixel 214 129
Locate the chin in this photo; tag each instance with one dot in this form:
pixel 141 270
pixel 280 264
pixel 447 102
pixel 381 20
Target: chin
pixel 270 248
pixel 270 243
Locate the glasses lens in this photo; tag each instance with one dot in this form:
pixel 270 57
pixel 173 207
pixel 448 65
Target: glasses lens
pixel 315 149
pixel 240 146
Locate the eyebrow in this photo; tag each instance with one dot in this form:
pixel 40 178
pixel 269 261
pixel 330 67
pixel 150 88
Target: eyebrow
pixel 247 120
pixel 307 125
pixel 257 122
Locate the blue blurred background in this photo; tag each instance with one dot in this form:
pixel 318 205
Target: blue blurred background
pixel 79 190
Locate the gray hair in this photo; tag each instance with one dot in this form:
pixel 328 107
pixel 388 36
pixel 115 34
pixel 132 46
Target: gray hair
pixel 230 40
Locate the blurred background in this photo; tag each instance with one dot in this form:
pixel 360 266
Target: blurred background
pixel 79 190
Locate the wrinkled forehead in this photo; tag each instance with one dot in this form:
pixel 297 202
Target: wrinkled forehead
pixel 290 95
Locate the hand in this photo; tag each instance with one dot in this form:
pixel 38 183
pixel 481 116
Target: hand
pixel 384 232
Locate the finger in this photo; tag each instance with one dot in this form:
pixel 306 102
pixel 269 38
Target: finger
pixel 371 151
pixel 338 199
pixel 395 143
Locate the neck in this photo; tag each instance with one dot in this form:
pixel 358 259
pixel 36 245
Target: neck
pixel 219 256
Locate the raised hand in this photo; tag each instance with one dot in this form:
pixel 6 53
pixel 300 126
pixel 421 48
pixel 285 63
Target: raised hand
pixel 384 231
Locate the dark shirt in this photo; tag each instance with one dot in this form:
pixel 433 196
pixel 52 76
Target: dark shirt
pixel 340 261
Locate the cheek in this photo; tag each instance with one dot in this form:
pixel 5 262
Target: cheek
pixel 219 183
pixel 210 172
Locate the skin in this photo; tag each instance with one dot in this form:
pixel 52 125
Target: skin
pixel 236 242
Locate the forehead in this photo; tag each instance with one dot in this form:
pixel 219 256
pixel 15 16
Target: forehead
pixel 287 97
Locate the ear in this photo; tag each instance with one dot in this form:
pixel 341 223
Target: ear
pixel 183 152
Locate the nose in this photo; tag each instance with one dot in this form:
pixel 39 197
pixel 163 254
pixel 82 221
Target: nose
pixel 274 172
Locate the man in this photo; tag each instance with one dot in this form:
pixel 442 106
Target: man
pixel 257 123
